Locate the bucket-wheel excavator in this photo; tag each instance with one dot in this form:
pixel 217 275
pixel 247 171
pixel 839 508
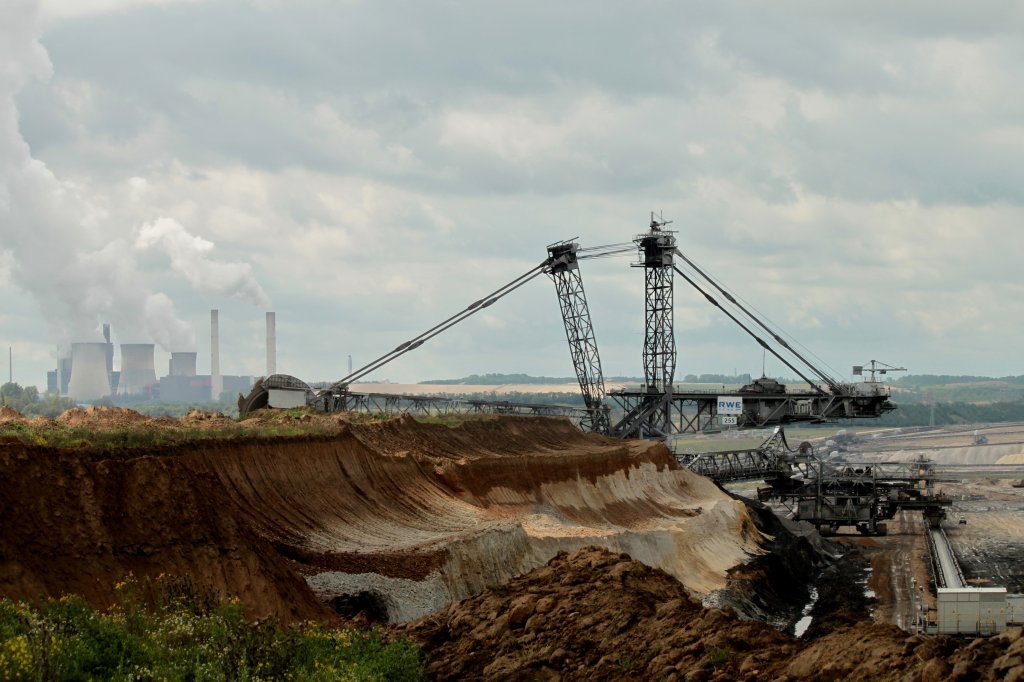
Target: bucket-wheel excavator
pixel 657 410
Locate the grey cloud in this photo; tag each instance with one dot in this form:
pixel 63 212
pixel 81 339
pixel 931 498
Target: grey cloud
pixel 820 157
pixel 224 82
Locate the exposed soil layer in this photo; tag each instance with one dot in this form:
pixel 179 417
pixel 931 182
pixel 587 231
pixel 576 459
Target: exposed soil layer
pixel 75 525
pixel 407 517
pixel 595 615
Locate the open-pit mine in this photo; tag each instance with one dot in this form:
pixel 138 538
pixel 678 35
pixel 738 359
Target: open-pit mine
pixel 506 547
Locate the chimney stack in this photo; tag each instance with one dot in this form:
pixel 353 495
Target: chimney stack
pixel 216 385
pixel 271 344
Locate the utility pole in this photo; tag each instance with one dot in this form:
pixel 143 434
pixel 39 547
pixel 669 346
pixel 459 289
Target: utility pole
pixel 10 364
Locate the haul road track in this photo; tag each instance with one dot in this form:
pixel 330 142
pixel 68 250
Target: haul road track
pixel 415 516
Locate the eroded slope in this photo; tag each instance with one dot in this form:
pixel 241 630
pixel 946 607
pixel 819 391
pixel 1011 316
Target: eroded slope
pixel 416 515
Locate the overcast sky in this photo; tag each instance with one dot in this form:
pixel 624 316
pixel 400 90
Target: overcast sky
pixel 366 169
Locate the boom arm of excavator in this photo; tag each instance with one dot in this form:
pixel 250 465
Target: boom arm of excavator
pixel 564 270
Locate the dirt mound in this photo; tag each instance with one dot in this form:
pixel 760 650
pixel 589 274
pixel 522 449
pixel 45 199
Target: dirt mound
pixel 102 416
pixel 206 420
pixel 590 615
pixel 594 615
pixel 9 414
pixel 1017 458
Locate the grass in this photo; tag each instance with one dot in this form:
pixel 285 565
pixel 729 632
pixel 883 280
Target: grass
pixel 127 438
pixel 117 440
pixel 168 629
pixel 718 657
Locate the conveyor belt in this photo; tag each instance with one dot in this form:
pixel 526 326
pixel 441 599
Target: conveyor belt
pixel 946 567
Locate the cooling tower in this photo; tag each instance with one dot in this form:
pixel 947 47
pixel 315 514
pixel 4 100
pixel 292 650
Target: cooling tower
pixel 216 384
pixel 89 378
pixel 137 372
pixel 271 344
pixel 182 364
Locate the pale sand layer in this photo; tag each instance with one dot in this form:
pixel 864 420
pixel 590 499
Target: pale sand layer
pixel 452 389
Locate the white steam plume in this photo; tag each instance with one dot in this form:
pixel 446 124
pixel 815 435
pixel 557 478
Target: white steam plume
pixel 55 238
pixel 189 256
pixel 79 263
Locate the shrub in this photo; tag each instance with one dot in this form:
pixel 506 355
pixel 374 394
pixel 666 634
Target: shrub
pixel 170 628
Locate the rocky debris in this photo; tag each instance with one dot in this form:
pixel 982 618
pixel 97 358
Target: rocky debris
pixel 594 615
pixel 206 420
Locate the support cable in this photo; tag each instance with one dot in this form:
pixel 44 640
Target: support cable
pixel 778 339
pixel 419 340
pixel 742 326
pixel 792 339
pixel 605 254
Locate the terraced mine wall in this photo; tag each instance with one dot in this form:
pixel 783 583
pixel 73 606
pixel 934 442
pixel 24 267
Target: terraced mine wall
pixel 410 516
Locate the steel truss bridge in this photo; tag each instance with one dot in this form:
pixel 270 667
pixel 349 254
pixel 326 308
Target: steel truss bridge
pixel 390 404
pixel 657 410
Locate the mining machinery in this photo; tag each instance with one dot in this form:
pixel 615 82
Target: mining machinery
pixel 656 410
pixel 830 495
pixel 562 266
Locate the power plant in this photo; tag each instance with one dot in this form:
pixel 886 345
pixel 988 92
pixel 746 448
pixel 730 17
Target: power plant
pixel 88 374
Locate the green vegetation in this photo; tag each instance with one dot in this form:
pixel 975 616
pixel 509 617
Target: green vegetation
pixel 31 403
pixel 953 413
pixel 946 379
pixel 176 410
pixel 122 440
pixel 171 630
pixel 719 656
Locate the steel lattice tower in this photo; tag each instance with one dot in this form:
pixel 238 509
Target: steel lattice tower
pixel 572 300
pixel 649 413
pixel 656 257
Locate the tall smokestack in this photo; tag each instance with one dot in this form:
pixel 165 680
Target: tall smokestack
pixel 271 344
pixel 137 372
pixel 89 379
pixel 215 381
